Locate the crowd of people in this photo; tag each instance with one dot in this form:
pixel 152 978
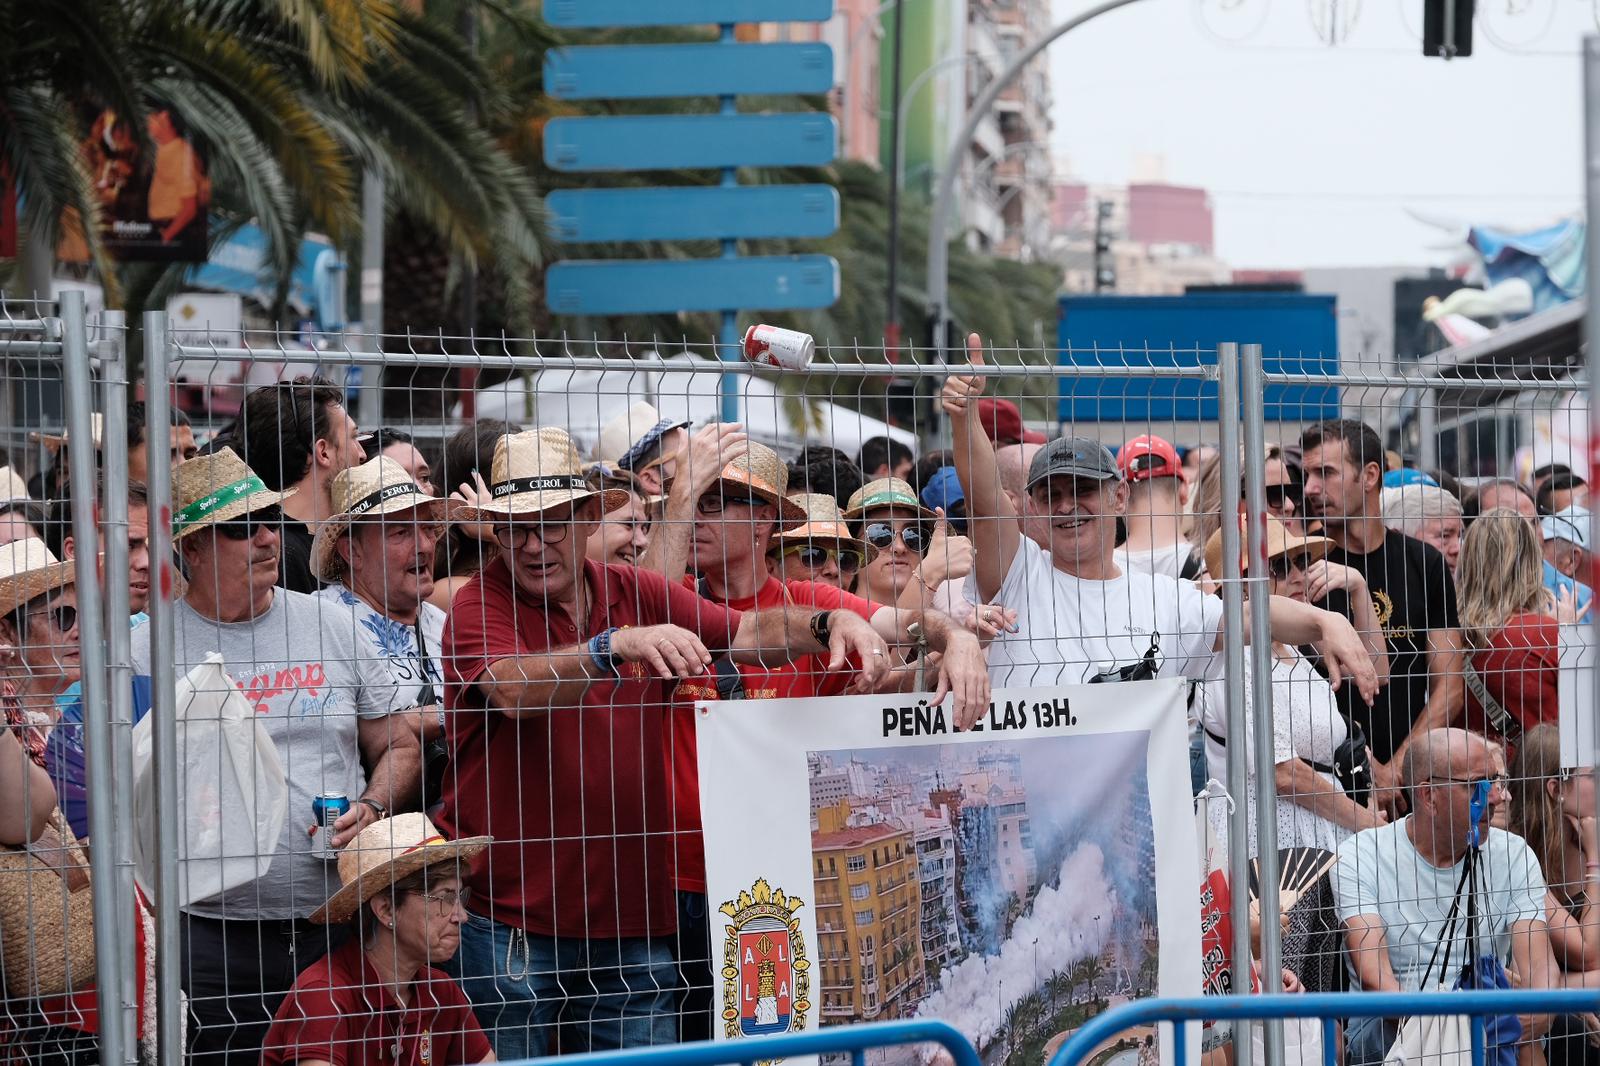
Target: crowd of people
pixel 493 649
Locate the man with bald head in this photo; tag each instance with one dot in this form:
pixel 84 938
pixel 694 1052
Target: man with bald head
pixel 1012 462
pixel 1393 886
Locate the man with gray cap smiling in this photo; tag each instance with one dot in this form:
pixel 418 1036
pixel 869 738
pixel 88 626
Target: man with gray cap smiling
pixel 1079 615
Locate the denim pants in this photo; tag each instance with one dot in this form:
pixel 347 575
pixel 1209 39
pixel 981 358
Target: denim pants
pixel 1367 1040
pixel 603 993
pixel 694 959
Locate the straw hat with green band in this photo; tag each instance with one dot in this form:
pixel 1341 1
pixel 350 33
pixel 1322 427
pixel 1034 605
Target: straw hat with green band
pixel 377 487
pixel 534 471
pixel 214 488
pixel 886 492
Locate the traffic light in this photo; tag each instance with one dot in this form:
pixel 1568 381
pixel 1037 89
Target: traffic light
pixel 1105 273
pixel 1447 28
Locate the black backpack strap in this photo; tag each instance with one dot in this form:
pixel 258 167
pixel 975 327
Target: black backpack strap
pixel 1191 567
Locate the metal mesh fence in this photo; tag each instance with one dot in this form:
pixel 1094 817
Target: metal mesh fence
pixel 464 588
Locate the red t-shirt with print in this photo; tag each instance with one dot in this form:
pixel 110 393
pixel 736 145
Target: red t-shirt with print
pixel 578 800
pixel 807 675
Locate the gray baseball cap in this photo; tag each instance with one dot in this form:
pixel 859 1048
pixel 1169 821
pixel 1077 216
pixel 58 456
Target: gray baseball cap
pixel 1073 457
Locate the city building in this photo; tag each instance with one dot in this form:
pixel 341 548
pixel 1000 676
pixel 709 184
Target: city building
pixel 936 870
pixel 869 929
pixel 1161 235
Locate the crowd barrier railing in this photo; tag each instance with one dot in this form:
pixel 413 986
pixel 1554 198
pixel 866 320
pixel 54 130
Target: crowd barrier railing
pixel 854 1040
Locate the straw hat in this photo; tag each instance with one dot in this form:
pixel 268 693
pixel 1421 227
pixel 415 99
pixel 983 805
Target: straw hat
pixel 13 489
pixel 766 477
pixel 823 522
pixel 534 471
pixel 884 492
pixel 54 441
pixel 390 850
pixel 378 486
pixel 1279 542
pixel 625 439
pixel 216 488
pixel 27 570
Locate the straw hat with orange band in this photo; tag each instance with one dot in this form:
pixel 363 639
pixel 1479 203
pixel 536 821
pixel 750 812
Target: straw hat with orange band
pixel 387 851
pixel 1280 543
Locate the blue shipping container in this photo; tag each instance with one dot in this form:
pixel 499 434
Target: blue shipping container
pixel 1298 333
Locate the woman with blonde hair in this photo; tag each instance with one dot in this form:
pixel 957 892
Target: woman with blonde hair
pixel 1509 623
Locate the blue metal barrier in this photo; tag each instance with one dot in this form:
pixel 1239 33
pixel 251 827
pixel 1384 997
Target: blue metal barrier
pixel 854 1039
pixel 1326 1005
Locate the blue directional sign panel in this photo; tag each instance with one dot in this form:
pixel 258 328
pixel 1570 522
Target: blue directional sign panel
pixel 600 13
pixel 706 212
pixel 627 287
pixel 680 142
pixel 634 72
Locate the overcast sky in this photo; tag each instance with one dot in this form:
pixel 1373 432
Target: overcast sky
pixel 1313 153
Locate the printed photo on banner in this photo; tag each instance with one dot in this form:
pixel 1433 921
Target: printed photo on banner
pixel 153 187
pixel 866 863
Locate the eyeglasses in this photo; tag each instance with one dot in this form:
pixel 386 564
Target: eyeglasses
pixel 881 535
pixel 246 526
pixel 64 615
pixel 1155 465
pixel 516 535
pixel 713 503
pixel 814 556
pixel 1499 782
pixel 445 903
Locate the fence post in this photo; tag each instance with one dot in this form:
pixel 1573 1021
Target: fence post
pixel 158 418
pixel 1591 320
pixel 1233 682
pixel 110 916
pixel 1255 495
pixel 113 519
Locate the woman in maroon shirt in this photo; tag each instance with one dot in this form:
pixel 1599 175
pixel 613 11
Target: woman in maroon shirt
pixel 1510 624
pixel 377 1000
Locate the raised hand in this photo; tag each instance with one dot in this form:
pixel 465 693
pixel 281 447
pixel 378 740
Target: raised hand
pixel 961 391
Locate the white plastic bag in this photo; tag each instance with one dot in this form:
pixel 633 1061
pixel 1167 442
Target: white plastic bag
pixel 232 794
pixel 1428 1040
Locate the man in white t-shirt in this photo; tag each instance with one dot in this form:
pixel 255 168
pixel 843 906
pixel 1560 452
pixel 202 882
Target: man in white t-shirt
pixel 1393 887
pixel 1079 614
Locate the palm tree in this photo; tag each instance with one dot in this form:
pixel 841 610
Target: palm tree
pixel 292 101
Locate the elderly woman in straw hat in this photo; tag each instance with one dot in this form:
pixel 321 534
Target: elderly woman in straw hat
pixel 375 555
pixel 39 651
pixel 541 628
pixel 378 1000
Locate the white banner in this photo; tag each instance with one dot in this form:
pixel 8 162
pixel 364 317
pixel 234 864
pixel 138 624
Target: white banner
pixel 1575 695
pixel 864 862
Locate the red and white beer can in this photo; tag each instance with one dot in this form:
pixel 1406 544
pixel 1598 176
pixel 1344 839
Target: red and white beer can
pixel 786 349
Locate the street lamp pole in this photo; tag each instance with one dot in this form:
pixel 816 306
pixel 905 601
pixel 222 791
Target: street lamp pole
pixel 891 327
pixel 938 253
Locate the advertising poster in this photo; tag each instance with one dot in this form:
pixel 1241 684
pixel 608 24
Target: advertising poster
pixel 153 192
pixel 865 863
pixel 1575 696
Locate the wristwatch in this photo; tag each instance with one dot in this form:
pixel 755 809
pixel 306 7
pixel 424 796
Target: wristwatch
pixel 379 809
pixel 819 627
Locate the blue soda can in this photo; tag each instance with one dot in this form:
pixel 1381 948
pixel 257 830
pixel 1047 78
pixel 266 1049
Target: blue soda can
pixel 325 810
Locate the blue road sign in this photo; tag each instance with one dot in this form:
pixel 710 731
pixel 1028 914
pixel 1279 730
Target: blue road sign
pixel 639 287
pixel 708 212
pixel 679 142
pixel 635 72
pixel 597 13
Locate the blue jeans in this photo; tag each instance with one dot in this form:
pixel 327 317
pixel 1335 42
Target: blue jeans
pixel 605 994
pixel 1367 1040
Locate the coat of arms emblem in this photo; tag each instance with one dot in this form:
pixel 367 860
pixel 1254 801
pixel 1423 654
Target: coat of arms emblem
pixel 766 977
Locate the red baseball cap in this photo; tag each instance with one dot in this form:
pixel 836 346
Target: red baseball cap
pixel 1002 421
pixel 1147 457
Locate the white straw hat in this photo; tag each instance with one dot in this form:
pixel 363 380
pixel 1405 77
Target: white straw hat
pixel 534 471
pixel 390 850
pixel 13 489
pixel 378 486
pixel 28 570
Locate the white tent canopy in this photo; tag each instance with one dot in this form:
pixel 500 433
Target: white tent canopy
pixel 582 401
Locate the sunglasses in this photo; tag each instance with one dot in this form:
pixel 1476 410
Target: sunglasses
pixel 245 526
pixel 63 615
pixel 712 503
pixel 815 556
pixel 881 535
pixel 1278 495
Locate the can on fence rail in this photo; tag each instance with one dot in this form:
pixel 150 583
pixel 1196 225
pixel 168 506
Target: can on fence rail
pixel 786 349
pixel 325 810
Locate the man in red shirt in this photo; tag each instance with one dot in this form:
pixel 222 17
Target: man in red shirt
pixel 738 507
pixel 558 675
